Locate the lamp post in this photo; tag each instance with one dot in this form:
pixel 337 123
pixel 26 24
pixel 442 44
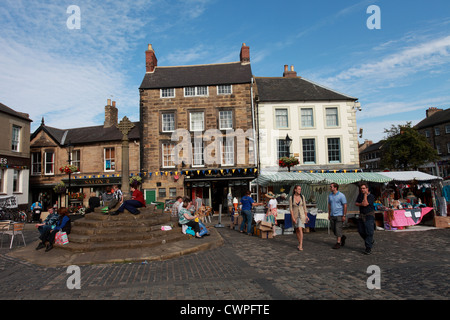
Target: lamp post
pixel 288 143
pixel 69 147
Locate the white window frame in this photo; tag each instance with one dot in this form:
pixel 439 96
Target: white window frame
pixel 196 91
pixel 112 164
pixel 191 123
pixel 277 117
pixel 17 186
pixel 168 160
pixel 164 127
pixel 303 151
pixel 302 117
pixel 15 138
pixel 328 150
pixel 76 162
pixel 223 120
pixel 329 117
pixel 167 93
pixel 52 163
pixel 198 157
pixel 224 89
pixel 227 152
pixel 36 162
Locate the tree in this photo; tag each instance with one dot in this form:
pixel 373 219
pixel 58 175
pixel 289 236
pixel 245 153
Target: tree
pixel 405 148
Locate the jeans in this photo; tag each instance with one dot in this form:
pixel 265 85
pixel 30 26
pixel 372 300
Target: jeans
pixel 248 218
pixel 130 205
pixel 366 227
pixel 43 228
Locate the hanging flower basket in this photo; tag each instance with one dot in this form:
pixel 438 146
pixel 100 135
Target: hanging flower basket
pixel 60 188
pixel 288 162
pixel 77 196
pixel 135 181
pixel 68 169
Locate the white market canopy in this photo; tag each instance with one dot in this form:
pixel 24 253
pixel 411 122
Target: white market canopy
pixel 284 178
pixel 409 176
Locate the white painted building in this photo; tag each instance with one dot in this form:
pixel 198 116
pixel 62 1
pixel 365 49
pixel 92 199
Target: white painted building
pixel 320 122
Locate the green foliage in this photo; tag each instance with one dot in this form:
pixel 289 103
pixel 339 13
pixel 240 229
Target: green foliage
pixel 406 149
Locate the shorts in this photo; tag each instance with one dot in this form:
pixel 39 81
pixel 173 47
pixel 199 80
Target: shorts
pixel 336 225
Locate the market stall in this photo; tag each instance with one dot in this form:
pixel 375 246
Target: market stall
pixel 412 197
pixel 315 188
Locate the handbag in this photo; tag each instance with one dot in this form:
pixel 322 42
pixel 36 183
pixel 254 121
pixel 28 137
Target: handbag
pixel 61 238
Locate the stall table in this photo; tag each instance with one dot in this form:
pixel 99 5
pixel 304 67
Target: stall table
pixel 405 217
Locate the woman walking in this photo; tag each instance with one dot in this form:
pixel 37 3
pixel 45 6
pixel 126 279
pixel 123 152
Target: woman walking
pixel 297 207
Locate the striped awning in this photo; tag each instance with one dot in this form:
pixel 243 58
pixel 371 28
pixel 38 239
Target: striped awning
pixel 284 178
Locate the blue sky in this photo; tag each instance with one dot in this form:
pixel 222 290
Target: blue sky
pixel 66 75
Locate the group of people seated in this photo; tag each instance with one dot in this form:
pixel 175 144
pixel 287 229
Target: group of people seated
pixel 57 220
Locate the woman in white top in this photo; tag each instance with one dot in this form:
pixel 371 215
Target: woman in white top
pixel 271 214
pixel 297 207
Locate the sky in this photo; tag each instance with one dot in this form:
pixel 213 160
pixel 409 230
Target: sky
pixel 63 64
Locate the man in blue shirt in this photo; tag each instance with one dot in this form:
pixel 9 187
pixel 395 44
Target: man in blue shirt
pixel 247 204
pixel 337 210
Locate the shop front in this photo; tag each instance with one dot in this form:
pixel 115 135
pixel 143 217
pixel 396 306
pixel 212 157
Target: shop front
pixel 215 187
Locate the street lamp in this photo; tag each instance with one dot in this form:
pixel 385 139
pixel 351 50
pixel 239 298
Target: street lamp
pixel 288 141
pixel 69 147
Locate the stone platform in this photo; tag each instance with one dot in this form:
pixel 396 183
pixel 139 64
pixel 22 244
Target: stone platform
pixel 98 238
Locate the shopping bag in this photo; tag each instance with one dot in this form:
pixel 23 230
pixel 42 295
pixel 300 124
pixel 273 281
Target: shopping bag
pixel 61 238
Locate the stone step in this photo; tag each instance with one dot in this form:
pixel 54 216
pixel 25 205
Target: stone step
pixel 121 234
pixel 171 236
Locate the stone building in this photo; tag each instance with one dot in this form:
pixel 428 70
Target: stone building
pixel 95 151
pixel 436 128
pixel 14 154
pixel 197 129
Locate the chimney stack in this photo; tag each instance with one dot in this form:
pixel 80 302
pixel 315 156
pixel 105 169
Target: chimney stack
pixel 150 59
pixel 111 114
pixel 289 74
pixel 245 54
pixel 432 110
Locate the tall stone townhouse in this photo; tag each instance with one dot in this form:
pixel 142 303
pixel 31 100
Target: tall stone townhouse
pixel 197 129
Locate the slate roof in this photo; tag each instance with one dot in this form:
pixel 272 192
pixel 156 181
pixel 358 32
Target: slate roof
pixel 197 75
pixel 12 112
pixel 435 119
pixel 295 89
pixel 86 135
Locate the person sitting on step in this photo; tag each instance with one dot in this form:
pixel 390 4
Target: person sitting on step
pixel 137 201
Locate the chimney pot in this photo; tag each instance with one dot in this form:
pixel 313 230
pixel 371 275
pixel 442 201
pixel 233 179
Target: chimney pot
pixel 150 59
pixel 289 73
pixel 245 54
pixel 109 102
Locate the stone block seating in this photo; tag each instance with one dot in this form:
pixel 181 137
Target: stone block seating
pixel 98 231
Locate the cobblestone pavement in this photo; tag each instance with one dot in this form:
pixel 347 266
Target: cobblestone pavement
pixel 413 265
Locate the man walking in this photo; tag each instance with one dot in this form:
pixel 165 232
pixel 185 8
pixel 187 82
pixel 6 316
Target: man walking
pixel 337 210
pixel 366 220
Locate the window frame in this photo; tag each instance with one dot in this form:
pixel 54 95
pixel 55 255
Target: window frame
pixel 169 158
pixel 327 125
pixel 314 151
pixel 202 121
pixel 35 163
pixel 163 129
pixel 227 152
pixel 15 144
pixel 276 118
pixel 52 163
pixel 164 93
pixel 331 150
pixel 195 91
pixel 230 119
pixel 220 89
pixel 112 164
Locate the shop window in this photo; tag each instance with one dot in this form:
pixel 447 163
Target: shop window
pixel 161 193
pixel 172 192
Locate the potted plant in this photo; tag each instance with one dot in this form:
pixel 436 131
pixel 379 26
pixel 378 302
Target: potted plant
pixel 68 169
